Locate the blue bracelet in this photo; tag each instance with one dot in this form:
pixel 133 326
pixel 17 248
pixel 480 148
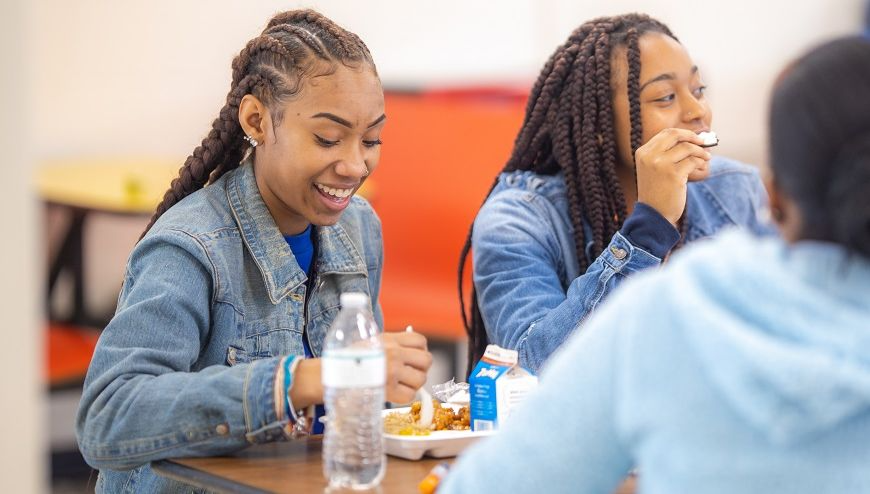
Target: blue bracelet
pixel 288 380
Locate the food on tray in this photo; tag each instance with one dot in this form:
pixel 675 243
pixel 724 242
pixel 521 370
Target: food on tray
pixel 444 419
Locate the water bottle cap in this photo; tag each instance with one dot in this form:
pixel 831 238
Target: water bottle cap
pixel 356 300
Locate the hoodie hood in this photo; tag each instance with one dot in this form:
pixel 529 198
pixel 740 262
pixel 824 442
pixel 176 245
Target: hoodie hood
pixel 785 330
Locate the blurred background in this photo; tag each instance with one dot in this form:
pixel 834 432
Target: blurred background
pixel 103 100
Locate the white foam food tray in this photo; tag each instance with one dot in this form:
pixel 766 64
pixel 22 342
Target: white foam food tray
pixel 438 444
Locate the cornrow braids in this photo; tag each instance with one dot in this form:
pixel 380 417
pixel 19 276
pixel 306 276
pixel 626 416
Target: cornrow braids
pixel 272 67
pixel 569 128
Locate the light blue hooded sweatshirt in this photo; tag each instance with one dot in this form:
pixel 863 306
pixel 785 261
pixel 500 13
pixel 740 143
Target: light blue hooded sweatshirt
pixel 742 367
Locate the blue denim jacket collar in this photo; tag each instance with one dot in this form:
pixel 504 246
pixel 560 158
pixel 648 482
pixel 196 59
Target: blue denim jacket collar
pixel 700 223
pixel 530 287
pixel 700 198
pixel 282 275
pixel 705 212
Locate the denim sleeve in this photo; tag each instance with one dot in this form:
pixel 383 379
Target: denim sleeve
pixel 375 272
pixel 517 260
pixel 566 437
pixel 142 399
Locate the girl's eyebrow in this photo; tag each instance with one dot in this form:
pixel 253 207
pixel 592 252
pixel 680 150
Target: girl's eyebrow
pixel 378 120
pixel 335 118
pixel 669 76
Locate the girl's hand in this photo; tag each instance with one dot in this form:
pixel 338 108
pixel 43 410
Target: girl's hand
pixel 665 164
pixel 408 361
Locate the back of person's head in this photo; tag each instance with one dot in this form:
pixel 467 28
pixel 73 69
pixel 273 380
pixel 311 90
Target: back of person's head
pixel 274 66
pixel 569 128
pixel 820 142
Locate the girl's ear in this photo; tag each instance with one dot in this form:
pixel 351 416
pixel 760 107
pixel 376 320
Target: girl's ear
pixel 776 206
pixel 783 210
pixel 252 117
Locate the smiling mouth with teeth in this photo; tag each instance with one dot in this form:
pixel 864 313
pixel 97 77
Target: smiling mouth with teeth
pixel 336 193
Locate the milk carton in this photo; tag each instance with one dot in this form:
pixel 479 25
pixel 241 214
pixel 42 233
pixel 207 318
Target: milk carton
pixel 497 385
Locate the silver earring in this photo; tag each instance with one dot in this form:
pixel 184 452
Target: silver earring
pixel 253 142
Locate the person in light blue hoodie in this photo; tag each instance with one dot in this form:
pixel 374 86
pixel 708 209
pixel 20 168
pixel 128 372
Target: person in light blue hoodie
pixel 743 365
pixel 609 174
pixel 227 297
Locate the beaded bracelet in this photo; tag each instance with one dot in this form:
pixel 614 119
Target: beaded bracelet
pixel 301 422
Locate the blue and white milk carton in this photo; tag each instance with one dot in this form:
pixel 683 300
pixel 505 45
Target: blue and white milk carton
pixel 497 385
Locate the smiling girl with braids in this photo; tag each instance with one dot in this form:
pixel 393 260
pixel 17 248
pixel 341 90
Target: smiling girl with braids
pixel 241 268
pixel 607 177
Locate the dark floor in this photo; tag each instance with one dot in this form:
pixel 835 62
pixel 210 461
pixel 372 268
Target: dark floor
pixel 70 474
pixel 73 485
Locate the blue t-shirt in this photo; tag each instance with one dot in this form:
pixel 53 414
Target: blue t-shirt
pixel 302 247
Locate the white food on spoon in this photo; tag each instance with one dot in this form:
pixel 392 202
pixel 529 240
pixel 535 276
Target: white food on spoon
pixel 710 138
pixel 426 409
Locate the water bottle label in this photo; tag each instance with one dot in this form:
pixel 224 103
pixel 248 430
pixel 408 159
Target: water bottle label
pixel 353 368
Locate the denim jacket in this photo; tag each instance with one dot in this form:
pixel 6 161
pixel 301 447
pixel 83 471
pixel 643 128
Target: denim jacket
pixel 212 299
pixel 529 286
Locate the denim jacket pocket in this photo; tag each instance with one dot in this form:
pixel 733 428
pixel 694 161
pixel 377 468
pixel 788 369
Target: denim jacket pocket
pixel 325 298
pixel 324 309
pixel 262 341
pixel 325 313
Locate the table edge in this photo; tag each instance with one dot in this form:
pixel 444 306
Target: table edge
pixel 198 478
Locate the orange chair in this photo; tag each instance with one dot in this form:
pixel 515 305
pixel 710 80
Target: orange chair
pixel 68 353
pixel 441 154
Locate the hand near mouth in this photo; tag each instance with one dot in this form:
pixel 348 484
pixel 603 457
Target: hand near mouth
pixel 665 164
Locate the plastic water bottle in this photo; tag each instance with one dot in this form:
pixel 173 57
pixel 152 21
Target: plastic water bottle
pixel 354 371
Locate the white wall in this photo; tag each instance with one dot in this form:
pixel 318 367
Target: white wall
pixel 740 46
pixel 148 77
pixel 22 466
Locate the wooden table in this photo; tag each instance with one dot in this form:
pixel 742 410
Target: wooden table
pixel 294 466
